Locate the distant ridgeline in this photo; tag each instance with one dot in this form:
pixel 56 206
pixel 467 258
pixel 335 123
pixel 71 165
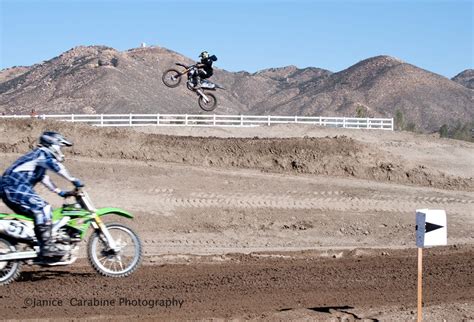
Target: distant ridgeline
pixel 99 79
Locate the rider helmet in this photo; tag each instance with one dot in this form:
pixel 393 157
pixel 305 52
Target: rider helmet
pixel 53 141
pixel 204 55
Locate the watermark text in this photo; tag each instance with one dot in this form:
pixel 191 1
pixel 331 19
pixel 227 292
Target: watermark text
pixel 151 303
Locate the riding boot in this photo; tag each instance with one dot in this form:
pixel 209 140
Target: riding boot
pixel 47 247
pixel 196 82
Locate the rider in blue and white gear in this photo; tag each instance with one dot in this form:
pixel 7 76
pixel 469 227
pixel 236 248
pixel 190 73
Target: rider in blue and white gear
pixel 18 181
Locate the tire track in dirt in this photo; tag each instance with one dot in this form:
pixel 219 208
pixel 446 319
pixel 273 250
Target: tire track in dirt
pixel 432 199
pixel 329 201
pixel 158 247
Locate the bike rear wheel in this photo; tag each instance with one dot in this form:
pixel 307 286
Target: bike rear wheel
pixel 210 105
pixel 171 78
pixel 119 263
pixel 9 270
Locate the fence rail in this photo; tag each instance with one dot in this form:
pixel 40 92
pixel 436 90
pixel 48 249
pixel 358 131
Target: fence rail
pixel 215 120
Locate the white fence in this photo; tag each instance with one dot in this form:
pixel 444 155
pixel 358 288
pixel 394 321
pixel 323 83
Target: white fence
pixel 215 120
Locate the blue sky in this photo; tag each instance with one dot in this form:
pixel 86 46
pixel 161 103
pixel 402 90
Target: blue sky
pixel 248 35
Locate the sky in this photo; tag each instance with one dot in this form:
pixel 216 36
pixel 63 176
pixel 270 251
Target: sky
pixel 247 35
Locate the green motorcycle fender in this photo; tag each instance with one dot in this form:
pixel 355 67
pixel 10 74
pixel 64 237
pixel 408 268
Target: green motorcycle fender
pixel 100 212
pixel 110 211
pixel 113 211
pixel 59 213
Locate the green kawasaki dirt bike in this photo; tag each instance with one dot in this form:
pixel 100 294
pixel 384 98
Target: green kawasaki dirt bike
pixel 113 249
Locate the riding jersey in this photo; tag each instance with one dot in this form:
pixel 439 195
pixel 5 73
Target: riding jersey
pixel 16 184
pixel 207 62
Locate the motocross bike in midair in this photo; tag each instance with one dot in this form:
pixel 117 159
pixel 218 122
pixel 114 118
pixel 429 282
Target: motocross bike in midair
pixel 207 101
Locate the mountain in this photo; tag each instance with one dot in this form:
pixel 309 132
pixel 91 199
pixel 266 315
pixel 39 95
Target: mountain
pixel 465 78
pixel 99 79
pixel 381 86
pixel 9 73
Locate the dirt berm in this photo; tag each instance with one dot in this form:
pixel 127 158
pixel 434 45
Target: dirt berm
pixel 340 156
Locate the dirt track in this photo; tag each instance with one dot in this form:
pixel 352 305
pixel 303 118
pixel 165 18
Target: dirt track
pixel 214 196
pixel 298 285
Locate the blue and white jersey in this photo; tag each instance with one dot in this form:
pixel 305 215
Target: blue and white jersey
pixel 16 184
pixel 30 168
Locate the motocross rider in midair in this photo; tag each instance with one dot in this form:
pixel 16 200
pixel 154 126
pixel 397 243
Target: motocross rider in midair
pixel 16 187
pixel 204 70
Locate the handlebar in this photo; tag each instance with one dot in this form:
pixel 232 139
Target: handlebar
pixel 183 65
pixel 73 193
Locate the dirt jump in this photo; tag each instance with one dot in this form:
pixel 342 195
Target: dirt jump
pixel 281 222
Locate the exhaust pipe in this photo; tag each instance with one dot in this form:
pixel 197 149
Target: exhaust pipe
pixel 18 256
pixel 63 263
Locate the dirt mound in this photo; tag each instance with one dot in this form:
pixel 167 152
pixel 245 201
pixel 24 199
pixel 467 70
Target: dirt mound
pixel 331 156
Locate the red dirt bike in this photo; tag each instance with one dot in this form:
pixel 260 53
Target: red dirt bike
pixel 207 101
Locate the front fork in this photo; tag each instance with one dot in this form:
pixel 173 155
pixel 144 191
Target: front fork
pixel 98 224
pixel 174 77
pixel 204 97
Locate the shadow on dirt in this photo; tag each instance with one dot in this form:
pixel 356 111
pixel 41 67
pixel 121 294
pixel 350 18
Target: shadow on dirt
pixel 339 309
pixel 334 310
pixel 34 276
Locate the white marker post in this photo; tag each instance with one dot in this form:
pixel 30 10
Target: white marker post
pixel 431 230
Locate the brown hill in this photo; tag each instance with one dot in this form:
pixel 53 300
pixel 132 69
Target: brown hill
pixel 98 79
pixel 12 72
pixel 465 78
pixel 382 86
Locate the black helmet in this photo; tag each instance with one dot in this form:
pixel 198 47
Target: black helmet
pixel 53 141
pixel 204 55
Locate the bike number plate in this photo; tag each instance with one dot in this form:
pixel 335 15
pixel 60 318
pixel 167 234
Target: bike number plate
pixel 16 229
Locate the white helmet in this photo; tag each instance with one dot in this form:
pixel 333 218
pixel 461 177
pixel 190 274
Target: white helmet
pixel 53 142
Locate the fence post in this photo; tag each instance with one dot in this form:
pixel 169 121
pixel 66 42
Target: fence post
pixel 296 118
pixel 241 120
pixel 186 119
pixel 72 118
pixel 157 119
pixel 268 122
pixel 214 120
pixel 367 120
pixel 391 123
pixel 344 122
pixel 130 119
pixel 101 119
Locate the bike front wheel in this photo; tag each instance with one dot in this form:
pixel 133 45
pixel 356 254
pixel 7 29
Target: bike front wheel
pixel 208 105
pixel 171 78
pixel 122 261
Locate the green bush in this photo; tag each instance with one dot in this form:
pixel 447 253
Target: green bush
pixel 399 120
pixel 443 131
pixel 410 127
pixel 459 131
pixel 361 111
